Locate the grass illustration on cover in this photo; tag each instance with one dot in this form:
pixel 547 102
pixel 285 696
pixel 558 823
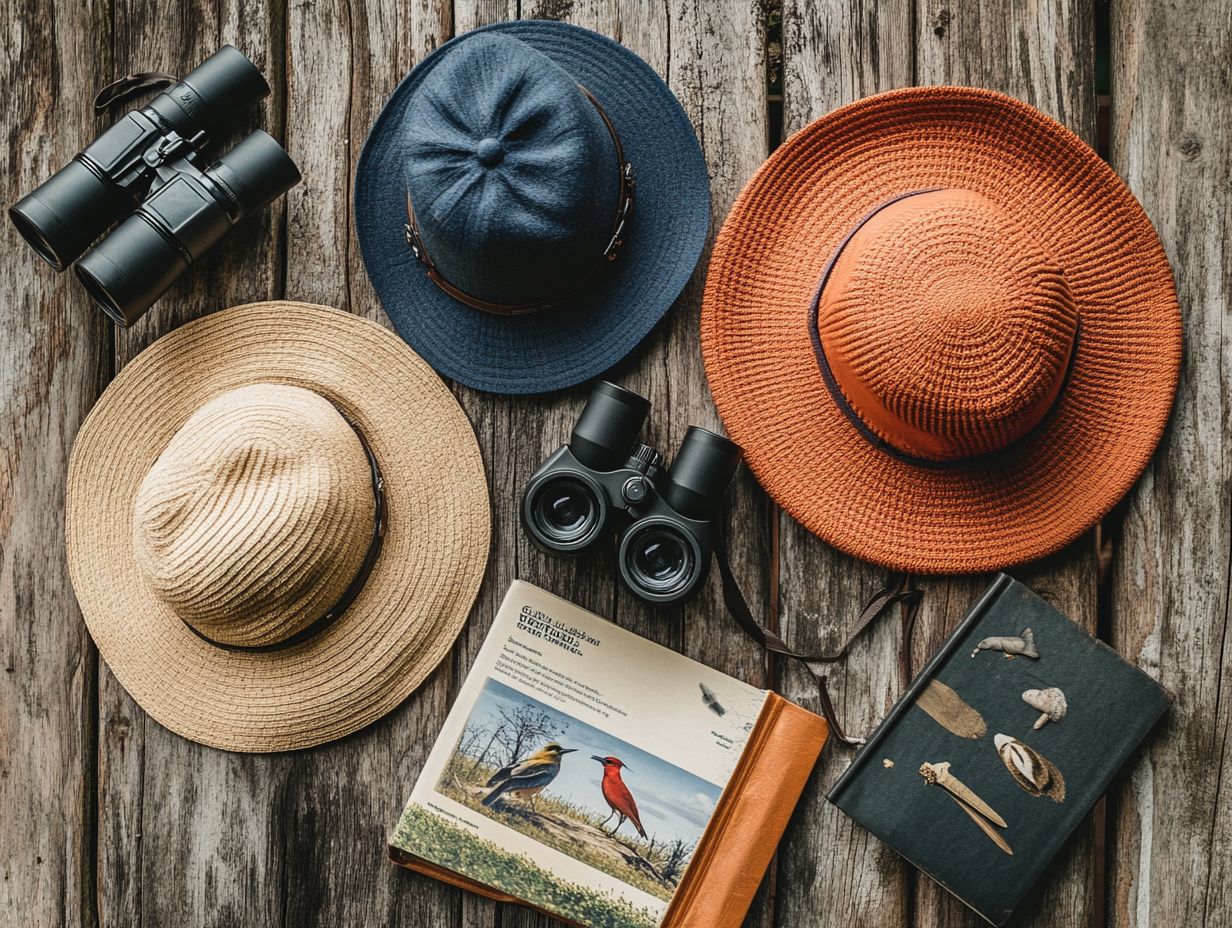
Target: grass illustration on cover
pixel 579 769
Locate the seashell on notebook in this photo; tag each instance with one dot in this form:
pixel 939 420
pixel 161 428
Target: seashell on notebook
pixel 1030 770
pixel 1050 702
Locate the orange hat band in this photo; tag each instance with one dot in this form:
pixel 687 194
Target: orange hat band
pixel 880 431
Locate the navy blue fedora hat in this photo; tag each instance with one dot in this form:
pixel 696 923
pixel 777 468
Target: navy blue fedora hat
pixel 531 200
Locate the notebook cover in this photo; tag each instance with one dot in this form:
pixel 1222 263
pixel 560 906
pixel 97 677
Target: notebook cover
pixel 1111 706
pixel 716 767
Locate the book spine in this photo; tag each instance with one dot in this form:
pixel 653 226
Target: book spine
pixel 985 602
pixel 748 822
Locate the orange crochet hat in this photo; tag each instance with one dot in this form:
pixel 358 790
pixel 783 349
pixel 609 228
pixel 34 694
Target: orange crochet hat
pixel 942 329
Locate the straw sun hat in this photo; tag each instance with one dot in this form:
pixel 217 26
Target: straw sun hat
pixel 942 329
pixel 277 521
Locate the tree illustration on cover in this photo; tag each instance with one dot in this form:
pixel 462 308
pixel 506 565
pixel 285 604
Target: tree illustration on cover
pixel 527 778
pixel 617 795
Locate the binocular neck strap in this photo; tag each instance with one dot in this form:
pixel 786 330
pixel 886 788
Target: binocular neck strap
pixel 897 590
pixel 130 86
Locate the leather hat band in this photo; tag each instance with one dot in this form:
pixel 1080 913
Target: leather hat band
pixel 841 401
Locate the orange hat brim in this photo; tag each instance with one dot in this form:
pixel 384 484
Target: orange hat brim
pixel 1047 489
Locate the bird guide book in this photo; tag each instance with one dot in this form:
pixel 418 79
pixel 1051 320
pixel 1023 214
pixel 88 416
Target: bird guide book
pixel 591 774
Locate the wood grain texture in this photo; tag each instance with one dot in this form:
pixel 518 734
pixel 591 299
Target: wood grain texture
pixel 1042 53
pixel 55 357
pixel 188 834
pixel 708 57
pixel 136 826
pixel 337 804
pixel 831 871
pixel 1172 823
pixel 834 53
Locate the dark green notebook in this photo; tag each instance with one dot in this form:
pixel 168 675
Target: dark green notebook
pixel 957 778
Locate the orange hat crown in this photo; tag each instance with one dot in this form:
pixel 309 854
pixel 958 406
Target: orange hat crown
pixel 944 331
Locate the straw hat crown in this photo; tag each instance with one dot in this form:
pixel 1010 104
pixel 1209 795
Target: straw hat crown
pixel 948 330
pixel 257 515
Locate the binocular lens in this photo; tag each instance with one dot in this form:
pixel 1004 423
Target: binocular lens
pixel 566 511
pixel 608 426
pixel 62 216
pixel 660 561
pixel 699 476
pixel 227 83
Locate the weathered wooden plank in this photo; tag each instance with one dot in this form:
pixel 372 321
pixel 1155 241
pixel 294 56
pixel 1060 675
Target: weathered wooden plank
pixel 188 834
pixel 712 57
pixel 1044 54
pixel 830 870
pixel 340 800
pixel 709 58
pixel 836 53
pixel 1171 94
pixel 55 356
pixel 1040 52
pixel 515 435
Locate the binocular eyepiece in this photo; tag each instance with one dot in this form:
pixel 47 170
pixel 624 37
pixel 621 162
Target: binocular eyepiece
pixel 149 165
pixel 664 520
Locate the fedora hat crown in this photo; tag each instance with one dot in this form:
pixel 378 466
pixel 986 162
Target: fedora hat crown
pixel 256 516
pixel 946 328
pixel 512 172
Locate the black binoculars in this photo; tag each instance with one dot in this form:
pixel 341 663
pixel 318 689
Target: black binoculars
pixel 604 482
pixel 150 164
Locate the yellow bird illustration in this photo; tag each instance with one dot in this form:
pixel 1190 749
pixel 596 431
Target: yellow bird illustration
pixel 526 778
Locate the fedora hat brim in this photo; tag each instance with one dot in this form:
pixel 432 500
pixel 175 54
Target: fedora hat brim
pixel 1045 490
pixel 566 345
pixel 413 603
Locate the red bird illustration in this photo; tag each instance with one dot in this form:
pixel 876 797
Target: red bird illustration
pixel 618 795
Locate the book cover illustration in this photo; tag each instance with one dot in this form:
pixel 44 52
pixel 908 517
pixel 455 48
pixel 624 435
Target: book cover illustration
pixel 999 748
pixel 579 767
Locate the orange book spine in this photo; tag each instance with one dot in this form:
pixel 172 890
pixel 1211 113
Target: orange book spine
pixel 751 816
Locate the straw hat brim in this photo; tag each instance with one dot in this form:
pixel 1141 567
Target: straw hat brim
pixel 417 596
pixel 1045 490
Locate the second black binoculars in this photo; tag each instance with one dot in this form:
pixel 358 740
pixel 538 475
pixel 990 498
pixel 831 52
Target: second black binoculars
pixel 604 484
pixel 149 165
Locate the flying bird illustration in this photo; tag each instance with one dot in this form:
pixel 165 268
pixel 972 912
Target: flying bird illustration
pixel 618 795
pixel 525 778
pixel 711 700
